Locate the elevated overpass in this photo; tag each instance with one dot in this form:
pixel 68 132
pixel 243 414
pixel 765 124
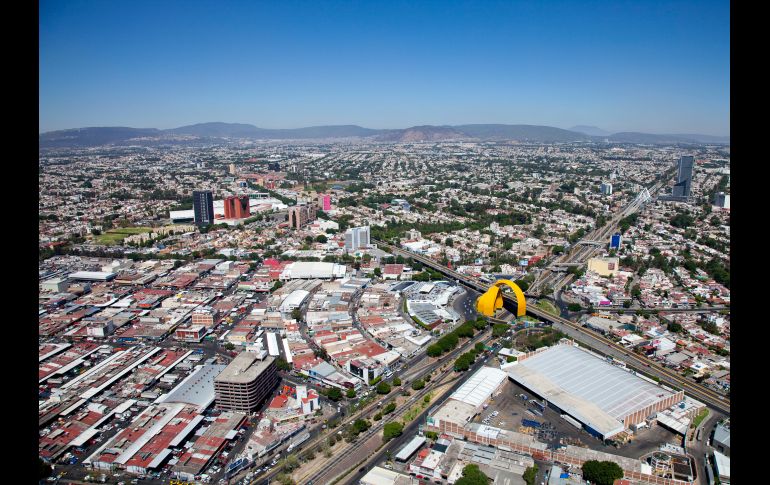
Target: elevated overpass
pixel 596 342
pixel 586 247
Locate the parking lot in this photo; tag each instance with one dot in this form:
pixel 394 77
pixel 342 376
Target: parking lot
pixel 507 409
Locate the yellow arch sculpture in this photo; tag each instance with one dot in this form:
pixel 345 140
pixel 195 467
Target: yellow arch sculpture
pixel 492 300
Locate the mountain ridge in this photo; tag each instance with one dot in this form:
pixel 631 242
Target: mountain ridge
pixel 96 136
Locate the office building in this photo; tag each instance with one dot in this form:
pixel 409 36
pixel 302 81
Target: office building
pixel 616 241
pixel 237 207
pixel 300 215
pixel 203 207
pixel 356 238
pixel 684 177
pixel 606 188
pixel 233 171
pixel 722 200
pixel 274 166
pixel 245 383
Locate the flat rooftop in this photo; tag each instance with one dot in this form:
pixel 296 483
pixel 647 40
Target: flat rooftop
pixel 586 387
pixel 244 368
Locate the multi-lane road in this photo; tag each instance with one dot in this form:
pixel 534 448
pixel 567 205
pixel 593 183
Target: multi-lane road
pixel 586 247
pixel 592 340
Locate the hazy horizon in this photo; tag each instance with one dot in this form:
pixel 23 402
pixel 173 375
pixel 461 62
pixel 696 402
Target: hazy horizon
pixel 661 68
pixel 372 127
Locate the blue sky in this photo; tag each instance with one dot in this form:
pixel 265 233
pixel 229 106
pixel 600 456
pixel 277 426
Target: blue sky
pixel 657 67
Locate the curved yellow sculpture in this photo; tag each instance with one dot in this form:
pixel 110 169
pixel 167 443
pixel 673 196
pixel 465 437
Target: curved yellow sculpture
pixel 492 300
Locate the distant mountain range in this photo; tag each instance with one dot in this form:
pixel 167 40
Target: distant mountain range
pixel 590 130
pixel 97 136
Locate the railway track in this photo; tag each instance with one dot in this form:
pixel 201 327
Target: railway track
pixel 399 411
pixel 321 438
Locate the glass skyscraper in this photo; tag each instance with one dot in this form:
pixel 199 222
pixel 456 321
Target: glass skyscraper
pixel 684 178
pixel 203 205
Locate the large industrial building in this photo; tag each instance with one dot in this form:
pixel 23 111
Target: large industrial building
pixel 467 401
pixel 246 382
pixel 303 270
pixel 604 398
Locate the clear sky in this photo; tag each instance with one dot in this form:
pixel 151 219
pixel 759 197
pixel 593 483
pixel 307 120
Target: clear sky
pixel 656 67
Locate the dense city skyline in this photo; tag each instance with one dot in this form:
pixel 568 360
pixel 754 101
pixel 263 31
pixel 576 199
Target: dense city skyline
pixel 654 68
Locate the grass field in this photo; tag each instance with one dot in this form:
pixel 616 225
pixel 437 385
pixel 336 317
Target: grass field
pixel 700 417
pixel 116 235
pixel 547 307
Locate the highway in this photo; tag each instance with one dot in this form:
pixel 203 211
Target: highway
pixel 586 247
pixel 592 340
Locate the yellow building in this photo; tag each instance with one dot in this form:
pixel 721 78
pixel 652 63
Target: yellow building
pixel 604 266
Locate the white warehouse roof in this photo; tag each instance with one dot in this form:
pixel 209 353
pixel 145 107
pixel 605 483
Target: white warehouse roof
pixel 586 387
pixel 476 390
pixel 294 300
pixel 310 269
pixel 91 275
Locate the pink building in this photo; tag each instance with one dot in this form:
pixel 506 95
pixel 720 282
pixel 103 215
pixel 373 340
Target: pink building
pixel 325 201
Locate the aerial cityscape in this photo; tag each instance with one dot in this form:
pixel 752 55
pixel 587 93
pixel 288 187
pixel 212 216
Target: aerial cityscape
pixel 382 303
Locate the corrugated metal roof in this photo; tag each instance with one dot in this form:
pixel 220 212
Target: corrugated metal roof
pixel 410 448
pixel 586 387
pixel 480 386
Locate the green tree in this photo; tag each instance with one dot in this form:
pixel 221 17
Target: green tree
pixel 281 364
pixel 472 475
pixel 574 307
pixel 334 394
pixel 530 474
pixel 361 425
pixel 396 381
pixel 601 472
pixel 675 327
pixel 285 479
pixel 321 238
pixel 389 408
pixel 229 346
pixel 383 388
pixel 499 329
pixel 392 430
pixel 463 363
pixel 418 384
pixel 479 347
pixel 434 350
pixel 351 393
pixel 289 464
pixel 296 314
